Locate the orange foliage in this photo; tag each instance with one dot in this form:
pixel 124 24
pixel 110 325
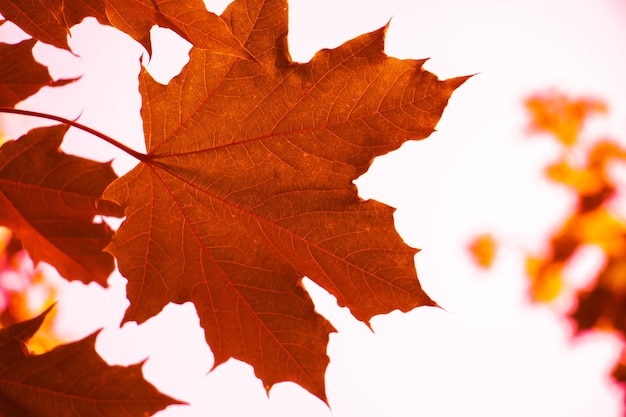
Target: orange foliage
pixel 561 116
pixel 483 250
pixel 593 220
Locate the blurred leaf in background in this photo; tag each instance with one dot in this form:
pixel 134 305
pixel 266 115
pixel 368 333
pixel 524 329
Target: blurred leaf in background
pixel 25 290
pixel 587 168
pixel 483 250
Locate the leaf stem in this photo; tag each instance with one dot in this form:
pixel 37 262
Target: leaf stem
pixel 137 155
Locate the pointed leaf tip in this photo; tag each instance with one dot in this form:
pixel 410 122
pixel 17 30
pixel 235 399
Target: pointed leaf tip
pixel 20 75
pixel 53 215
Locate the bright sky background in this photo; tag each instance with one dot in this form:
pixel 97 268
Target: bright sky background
pixel 490 353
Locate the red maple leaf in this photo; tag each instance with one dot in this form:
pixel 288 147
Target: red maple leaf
pixel 70 380
pixel 248 187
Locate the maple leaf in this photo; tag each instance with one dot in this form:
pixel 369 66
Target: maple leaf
pixel 70 380
pixel 248 187
pixel 20 75
pixel 48 199
pixel 50 21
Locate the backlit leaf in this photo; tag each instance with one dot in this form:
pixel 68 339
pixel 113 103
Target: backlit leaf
pixel 561 116
pixel 70 380
pixel 20 75
pixel 48 199
pixel 248 188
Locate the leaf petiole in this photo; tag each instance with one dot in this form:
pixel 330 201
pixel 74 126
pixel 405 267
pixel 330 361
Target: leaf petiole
pixel 135 154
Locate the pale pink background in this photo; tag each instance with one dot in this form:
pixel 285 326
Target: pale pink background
pixel 489 353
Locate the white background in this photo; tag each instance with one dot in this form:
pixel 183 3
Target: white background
pixel 489 353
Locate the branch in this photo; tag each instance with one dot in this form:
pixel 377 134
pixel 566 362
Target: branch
pixel 137 155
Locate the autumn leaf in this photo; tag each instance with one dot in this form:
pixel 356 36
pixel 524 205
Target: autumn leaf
pixel 48 199
pixel 20 75
pixel 50 21
pixel 560 115
pixel 483 249
pixel 70 380
pixel 248 187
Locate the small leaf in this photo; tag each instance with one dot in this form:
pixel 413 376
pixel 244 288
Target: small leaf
pixel 483 250
pixel 70 380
